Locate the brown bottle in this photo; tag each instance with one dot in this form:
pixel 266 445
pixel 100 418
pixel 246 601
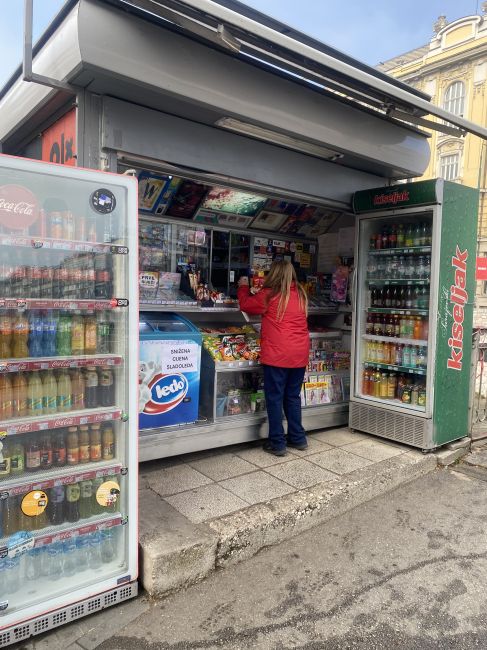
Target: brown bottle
pixel 84 444
pixel 95 443
pixel 72 446
pixel 108 442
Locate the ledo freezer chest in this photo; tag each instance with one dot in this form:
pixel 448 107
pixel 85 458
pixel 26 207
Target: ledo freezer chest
pixel 169 370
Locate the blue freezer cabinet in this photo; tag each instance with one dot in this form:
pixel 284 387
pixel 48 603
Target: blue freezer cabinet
pixel 169 370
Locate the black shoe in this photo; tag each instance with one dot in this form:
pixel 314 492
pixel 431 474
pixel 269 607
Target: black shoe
pixel 275 452
pixel 302 446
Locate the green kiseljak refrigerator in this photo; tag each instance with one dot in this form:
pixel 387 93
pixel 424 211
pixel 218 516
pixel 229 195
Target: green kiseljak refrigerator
pixel 413 301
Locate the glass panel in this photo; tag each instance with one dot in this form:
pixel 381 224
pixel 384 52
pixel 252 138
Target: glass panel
pixel 240 393
pixel 393 310
pixel 220 258
pixel 63 347
pixel 239 260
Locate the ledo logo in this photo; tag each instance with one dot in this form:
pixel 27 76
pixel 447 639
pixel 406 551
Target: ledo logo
pixel 167 391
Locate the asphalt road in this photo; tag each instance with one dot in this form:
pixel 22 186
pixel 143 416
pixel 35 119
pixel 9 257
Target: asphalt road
pixel 407 571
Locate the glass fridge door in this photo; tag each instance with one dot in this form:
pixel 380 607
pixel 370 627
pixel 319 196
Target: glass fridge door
pixel 392 311
pixel 67 412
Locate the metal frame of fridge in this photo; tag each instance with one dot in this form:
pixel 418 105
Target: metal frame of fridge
pixel 372 414
pixel 76 603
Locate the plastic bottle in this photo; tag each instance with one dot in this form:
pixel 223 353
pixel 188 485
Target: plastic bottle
pixel 383 385
pixel 103 338
pixel 72 446
pixel 418 328
pixel 82 552
pixel 77 335
pixel 77 390
pixel 49 334
pixel 366 382
pixel 35 335
pixel 49 393
pixel 418 235
pixel 377 384
pixel 96 508
pixel 413 356
pixel 90 327
pixel 106 390
pixel 45 445
pixel 108 442
pixel 55 506
pixel 6 328
pixel 393 237
pixel 91 388
pixel 391 386
pixel 34 394
pixel 6 398
pixel 5 460
pixel 406 356
pixel 33 564
pixel 95 443
pixel 409 236
pixel 421 359
pixel 63 336
pixel 84 444
pixel 11 511
pixel 32 454
pixel 64 392
pixel 369 325
pixel 17 458
pixel 95 551
pixel 59 453
pixel 20 336
pixel 108 551
pixel 400 236
pixel 70 560
pixel 378 330
pixel 12 574
pixel 72 496
pixel 86 496
pixel 54 553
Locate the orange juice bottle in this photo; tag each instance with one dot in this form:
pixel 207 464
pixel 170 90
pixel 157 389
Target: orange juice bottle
pixel 6 407
pixel 20 337
pixel 19 395
pixel 5 335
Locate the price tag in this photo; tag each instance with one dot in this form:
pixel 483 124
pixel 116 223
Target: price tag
pixel 37 244
pixel 120 302
pixel 119 250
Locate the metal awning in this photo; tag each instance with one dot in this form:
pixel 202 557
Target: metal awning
pixel 251 35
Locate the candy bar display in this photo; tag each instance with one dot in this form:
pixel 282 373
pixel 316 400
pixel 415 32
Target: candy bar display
pixel 321 385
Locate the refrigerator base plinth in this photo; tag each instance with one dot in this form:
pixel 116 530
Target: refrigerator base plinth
pixel 407 429
pixel 68 614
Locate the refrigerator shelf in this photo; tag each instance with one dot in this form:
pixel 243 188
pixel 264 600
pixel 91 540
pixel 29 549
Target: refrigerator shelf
pixel 335 334
pixel 49 243
pixel 53 534
pixel 396 283
pixel 45 363
pixel 420 250
pixel 386 366
pixel 58 421
pixel 65 304
pixel 393 339
pixel 58 476
pixel 396 311
pixel 222 366
pixel 393 402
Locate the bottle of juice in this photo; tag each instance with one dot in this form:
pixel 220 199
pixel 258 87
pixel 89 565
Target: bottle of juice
pixel 108 442
pixel 77 335
pixel 63 392
pixel 6 397
pixel 77 390
pixel 32 455
pixel 95 443
pixel 5 335
pixel 384 380
pixel 84 444
pixel 377 379
pixel 20 336
pixel 59 450
pixel 366 382
pixel 63 336
pixel 72 446
pixel 418 328
pixel 4 460
pixel 71 504
pixel 49 396
pixel 46 451
pixel 17 459
pixel 86 497
pixel 34 394
pixel 391 386
pixel 90 327
pixel 19 395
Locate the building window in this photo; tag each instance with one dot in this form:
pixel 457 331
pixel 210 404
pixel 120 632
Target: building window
pixel 455 98
pixel 450 167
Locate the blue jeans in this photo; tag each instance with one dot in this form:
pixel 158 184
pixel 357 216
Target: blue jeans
pixel 282 388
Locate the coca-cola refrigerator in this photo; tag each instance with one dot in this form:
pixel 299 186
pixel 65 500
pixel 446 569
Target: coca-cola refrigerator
pixel 68 394
pixel 413 309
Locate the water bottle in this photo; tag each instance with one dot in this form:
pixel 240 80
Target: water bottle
pixel 44 562
pixel 54 553
pixel 33 564
pixel 107 546
pixel 3 579
pixel 49 333
pixel 12 578
pixel 82 552
pixel 70 558
pixel 95 551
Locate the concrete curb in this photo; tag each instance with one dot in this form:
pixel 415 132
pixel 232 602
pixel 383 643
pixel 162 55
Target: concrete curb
pixel 453 452
pixel 175 553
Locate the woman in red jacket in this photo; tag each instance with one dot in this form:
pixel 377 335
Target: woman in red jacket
pixel 284 351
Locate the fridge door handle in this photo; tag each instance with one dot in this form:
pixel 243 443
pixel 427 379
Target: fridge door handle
pixel 353 286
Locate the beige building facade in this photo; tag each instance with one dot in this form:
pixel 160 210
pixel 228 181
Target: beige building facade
pixel 452 68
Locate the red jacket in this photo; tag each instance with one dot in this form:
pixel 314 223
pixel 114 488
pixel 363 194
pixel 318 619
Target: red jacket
pixel 284 343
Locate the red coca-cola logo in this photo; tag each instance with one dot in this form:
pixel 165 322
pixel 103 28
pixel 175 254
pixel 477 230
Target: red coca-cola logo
pixel 18 207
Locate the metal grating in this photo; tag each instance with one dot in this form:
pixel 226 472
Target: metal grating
pixel 53 620
pixel 407 429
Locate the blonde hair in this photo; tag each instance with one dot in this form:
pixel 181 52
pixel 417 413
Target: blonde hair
pixel 279 281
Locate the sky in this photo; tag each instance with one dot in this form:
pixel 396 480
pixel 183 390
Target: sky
pixel 369 30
